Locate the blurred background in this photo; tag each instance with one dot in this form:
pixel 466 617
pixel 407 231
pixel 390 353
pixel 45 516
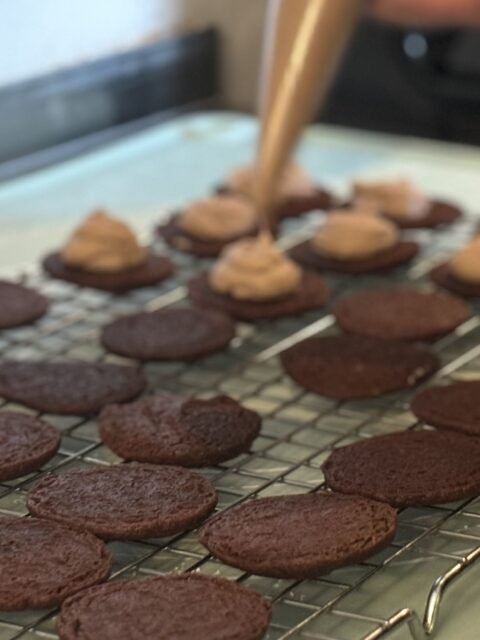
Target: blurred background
pixel 76 74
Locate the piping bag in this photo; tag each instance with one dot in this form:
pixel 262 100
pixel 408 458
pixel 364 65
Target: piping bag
pixel 304 41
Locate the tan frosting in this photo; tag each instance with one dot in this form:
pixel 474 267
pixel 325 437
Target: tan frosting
pixel 103 244
pixel 399 199
pixel 295 183
pixel 465 264
pixel 254 269
pixel 346 236
pixel 218 218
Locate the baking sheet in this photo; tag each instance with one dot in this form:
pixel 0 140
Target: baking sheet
pixel 156 171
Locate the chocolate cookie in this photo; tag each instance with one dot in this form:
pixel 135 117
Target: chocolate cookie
pixel 20 305
pixel 41 563
pixel 125 501
pixel 26 443
pixel 408 468
pixel 72 388
pixel 443 277
pixel 454 407
pixel 169 334
pixel 348 367
pixel 401 314
pixel 439 214
pixel 299 536
pixel 311 294
pixel 181 607
pixel 156 269
pixel 296 206
pixel 169 429
pixel 400 254
pixel 179 239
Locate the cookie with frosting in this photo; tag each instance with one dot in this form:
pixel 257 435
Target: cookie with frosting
pixel 254 280
pixel 461 272
pixel 354 242
pixel 104 253
pixel 404 204
pixel 297 192
pixel 205 227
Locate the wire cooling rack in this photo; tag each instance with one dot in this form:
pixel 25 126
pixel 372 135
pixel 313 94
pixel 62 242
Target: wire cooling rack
pixel 433 546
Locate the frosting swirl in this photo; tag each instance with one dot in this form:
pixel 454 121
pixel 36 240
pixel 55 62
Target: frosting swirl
pixel 219 218
pixel 103 244
pixel 465 264
pixel 254 269
pixel 295 183
pixel 399 199
pixel 349 236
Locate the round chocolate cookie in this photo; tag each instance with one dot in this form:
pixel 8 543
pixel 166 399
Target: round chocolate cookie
pixel 296 206
pixel 169 334
pixel 156 269
pixel 400 254
pixel 26 443
pixel 400 314
pixel 439 214
pixel 172 607
pixel 311 294
pixel 41 563
pixel 129 501
pixel 454 407
pixel 299 536
pixel 180 240
pixel 71 388
pixel 349 367
pixel 408 468
pixel 20 305
pixel 169 429
pixel 443 277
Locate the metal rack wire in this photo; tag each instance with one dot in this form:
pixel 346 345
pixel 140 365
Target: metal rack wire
pixel 433 547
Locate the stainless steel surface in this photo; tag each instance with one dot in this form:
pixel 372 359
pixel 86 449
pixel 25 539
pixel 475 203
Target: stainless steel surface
pixel 433 545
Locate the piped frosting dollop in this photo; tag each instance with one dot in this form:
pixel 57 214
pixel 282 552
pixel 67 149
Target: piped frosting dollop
pixel 103 244
pixel 254 269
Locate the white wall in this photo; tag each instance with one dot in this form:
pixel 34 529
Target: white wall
pixel 38 36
